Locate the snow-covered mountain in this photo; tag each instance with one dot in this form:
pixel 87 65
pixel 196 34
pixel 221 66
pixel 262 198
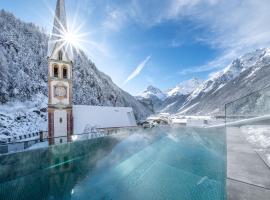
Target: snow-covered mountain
pixel 152 98
pixel 151 92
pixel 244 75
pixel 184 88
pixel 170 100
pixel 23 79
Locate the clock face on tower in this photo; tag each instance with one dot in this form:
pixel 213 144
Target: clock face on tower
pixel 60 91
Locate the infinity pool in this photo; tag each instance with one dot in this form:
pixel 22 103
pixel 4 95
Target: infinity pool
pixel 182 164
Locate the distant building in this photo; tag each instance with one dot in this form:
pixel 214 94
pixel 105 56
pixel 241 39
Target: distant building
pixel 179 121
pixel 61 112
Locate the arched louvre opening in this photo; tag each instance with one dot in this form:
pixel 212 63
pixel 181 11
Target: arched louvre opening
pixel 55 71
pixel 65 72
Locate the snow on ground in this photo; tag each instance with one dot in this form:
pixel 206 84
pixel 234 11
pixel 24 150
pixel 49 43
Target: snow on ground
pixel 259 137
pixel 187 109
pixel 3 137
pixel 17 118
pixel 168 107
pixel 186 87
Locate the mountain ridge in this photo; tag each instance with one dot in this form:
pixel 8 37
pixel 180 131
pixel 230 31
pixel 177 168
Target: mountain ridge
pixel 244 75
pixel 185 87
pixel 224 86
pixel 159 101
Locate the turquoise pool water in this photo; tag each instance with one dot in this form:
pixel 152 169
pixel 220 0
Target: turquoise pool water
pixel 182 164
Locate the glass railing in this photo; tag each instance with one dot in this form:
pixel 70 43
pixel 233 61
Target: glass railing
pixel 254 106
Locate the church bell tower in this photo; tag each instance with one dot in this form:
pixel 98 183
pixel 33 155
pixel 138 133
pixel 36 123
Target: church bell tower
pixel 60 122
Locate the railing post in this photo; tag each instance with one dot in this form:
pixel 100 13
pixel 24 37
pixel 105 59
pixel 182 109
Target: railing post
pixel 41 136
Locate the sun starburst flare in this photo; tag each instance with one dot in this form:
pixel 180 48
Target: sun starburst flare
pixel 70 38
pixel 74 36
pixel 69 34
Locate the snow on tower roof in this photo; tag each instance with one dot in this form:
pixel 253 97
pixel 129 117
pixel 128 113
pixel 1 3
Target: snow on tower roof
pixel 59 28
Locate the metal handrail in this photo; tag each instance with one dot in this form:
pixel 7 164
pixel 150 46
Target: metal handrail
pixel 41 140
pixel 50 138
pixel 25 145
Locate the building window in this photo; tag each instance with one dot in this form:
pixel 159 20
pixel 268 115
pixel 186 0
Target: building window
pixel 60 120
pixel 55 71
pixel 65 72
pixel 60 55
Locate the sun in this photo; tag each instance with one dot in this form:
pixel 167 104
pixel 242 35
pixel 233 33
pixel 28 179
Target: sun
pixel 71 39
pixel 69 36
pixel 72 34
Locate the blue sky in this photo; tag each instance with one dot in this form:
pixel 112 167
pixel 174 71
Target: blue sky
pixel 157 42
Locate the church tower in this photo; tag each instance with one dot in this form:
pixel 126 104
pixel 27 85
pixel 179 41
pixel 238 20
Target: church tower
pixel 60 121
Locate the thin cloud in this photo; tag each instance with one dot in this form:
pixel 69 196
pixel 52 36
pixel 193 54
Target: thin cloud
pixel 138 69
pixel 234 25
pixel 213 65
pixel 235 28
pixel 115 20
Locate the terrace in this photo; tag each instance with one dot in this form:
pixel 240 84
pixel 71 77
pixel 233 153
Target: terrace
pixel 162 162
pixel 248 146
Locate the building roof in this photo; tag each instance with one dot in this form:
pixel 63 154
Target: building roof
pixel 101 117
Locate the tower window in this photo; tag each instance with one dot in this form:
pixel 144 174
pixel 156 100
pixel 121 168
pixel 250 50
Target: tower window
pixel 65 72
pixel 60 120
pixel 55 71
pixel 60 55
